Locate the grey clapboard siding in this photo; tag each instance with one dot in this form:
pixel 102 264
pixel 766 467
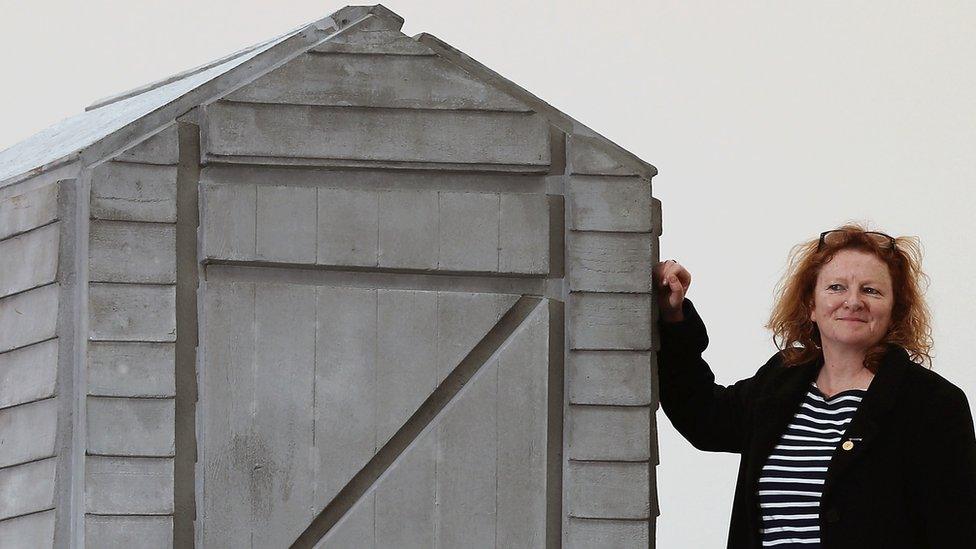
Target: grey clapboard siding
pixel 125 532
pixel 610 321
pixel 609 377
pixel 132 252
pixel 26 211
pixel 131 369
pixel 387 81
pixel 608 490
pixel 28 374
pixel 593 156
pixel 608 433
pixel 609 262
pixel 610 204
pixel 620 534
pixel 400 135
pixel 28 317
pixel 27 488
pixel 29 260
pixel 28 432
pixel 128 485
pixel 286 224
pixel 161 148
pixel 134 192
pixel 28 531
pixel 131 426
pixel 132 312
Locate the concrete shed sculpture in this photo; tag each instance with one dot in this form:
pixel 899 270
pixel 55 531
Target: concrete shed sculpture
pixel 345 289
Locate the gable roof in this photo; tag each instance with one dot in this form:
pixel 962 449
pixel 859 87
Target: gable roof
pixel 112 124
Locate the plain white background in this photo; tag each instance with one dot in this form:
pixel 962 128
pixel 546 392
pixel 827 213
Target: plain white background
pixel 769 122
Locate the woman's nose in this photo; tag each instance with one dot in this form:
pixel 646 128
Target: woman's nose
pixel 853 301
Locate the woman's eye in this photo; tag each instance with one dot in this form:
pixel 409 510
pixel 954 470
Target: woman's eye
pixel 871 290
pixel 834 287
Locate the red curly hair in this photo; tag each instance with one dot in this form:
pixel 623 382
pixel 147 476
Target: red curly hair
pixel 798 337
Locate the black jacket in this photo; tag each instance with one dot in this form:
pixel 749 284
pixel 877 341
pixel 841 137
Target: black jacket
pixel 911 481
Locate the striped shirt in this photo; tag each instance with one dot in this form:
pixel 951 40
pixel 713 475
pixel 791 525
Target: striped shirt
pixel 792 479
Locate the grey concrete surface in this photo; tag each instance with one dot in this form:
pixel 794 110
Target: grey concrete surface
pixel 131 369
pixel 405 135
pixel 29 260
pixel 25 211
pixel 132 252
pixel 609 204
pixel 622 378
pixel 128 485
pixel 27 488
pixel 28 374
pixel 132 312
pixel 134 192
pixel 125 532
pixel 28 317
pixel 29 431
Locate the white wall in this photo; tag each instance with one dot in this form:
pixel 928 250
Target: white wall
pixel 769 122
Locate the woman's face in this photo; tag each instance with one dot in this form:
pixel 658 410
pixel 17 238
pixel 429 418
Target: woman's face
pixel 852 301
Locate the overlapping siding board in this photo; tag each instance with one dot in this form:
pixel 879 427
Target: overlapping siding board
pixel 424 320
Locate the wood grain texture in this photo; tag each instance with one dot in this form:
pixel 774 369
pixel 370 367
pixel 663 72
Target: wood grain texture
pixel 387 81
pixel 28 374
pixel 29 210
pixel 134 192
pixel 132 252
pixel 132 312
pixel 29 260
pixel 28 317
pixel 609 262
pixel 299 131
pixel 610 204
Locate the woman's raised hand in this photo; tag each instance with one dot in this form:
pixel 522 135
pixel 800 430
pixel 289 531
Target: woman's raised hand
pixel 672 281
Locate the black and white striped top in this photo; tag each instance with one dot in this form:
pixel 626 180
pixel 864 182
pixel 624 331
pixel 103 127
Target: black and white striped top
pixel 792 479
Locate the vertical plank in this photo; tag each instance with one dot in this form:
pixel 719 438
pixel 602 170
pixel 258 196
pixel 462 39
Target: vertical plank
pixel 225 408
pixel 405 499
pixel 466 464
pixel 345 394
pixel 229 221
pixel 406 359
pixel 408 229
pixel 356 529
pixel 463 319
pixel 523 375
pixel 285 366
pixel 523 238
pixel 286 224
pixel 468 232
pixel 348 224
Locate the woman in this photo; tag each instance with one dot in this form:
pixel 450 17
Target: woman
pixel 846 440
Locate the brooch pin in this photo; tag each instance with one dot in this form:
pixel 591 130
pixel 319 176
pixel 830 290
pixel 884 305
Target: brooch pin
pixel 849 443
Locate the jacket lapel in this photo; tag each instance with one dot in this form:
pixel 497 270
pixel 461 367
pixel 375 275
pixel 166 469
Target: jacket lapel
pixel 878 399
